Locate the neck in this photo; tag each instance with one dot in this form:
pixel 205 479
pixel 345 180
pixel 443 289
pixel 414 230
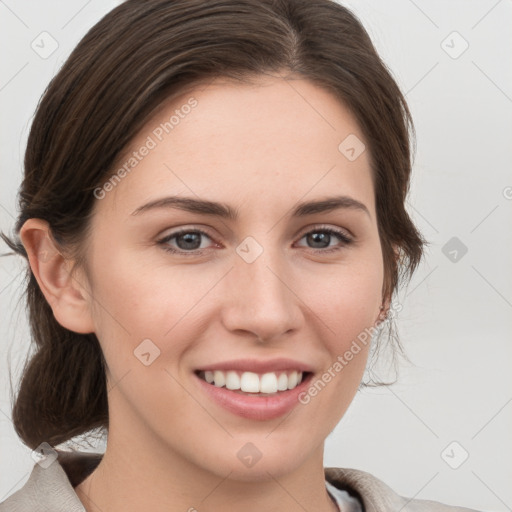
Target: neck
pixel 151 481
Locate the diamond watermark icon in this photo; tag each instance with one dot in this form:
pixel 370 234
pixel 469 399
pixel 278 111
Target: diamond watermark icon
pixel 455 455
pixel 352 147
pixel 44 455
pixel 454 249
pixel 249 250
pixel 146 352
pixel 44 45
pixel 249 455
pixel 454 45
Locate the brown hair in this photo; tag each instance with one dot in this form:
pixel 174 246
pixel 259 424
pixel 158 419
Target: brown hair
pixel 139 55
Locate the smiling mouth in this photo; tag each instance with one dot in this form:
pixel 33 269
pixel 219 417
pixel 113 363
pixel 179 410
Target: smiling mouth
pixel 259 384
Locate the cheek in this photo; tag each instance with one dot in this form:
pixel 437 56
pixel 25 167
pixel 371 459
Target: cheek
pixel 343 313
pixel 168 304
pixel 348 298
pixel 134 301
pixel 347 303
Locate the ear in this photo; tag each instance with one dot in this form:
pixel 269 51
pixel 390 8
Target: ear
pixel 67 297
pixel 384 310
pixel 386 300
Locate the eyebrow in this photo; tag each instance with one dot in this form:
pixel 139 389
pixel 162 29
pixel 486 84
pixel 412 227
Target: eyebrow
pixel 225 211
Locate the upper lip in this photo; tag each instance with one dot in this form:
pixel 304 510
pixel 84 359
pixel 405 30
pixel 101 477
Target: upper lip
pixel 258 366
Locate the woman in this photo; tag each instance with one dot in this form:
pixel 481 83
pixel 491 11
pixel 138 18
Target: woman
pixel 213 212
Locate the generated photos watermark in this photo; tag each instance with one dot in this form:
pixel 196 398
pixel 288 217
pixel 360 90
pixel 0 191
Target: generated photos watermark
pixel 363 338
pixel 157 135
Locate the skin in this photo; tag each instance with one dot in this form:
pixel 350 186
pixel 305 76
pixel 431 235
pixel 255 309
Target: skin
pixel 261 149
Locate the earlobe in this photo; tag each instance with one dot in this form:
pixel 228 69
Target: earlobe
pixel 386 300
pixel 67 297
pixel 383 313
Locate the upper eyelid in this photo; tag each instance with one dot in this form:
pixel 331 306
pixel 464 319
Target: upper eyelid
pixel 205 230
pixel 320 227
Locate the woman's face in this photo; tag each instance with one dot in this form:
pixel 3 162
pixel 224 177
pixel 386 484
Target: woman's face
pixel 267 290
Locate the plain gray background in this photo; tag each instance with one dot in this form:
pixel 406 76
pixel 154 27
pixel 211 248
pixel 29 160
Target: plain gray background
pixel 452 59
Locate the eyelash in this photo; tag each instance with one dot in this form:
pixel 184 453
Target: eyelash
pixel 345 240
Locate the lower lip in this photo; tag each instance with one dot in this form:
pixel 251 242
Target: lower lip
pixel 255 407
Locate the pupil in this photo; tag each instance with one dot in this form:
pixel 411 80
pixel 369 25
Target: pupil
pixel 318 237
pixel 189 239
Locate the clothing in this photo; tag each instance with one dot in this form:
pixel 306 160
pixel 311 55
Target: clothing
pixel 51 489
pixel 345 502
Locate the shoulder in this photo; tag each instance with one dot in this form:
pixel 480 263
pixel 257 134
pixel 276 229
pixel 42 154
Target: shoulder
pixel 376 496
pixel 50 487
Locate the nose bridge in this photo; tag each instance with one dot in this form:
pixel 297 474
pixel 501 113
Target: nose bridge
pixel 262 301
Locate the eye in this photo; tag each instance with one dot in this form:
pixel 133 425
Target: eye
pixel 321 237
pixel 188 241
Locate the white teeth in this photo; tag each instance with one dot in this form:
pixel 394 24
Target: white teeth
pixel 250 382
pixel 232 380
pixel 268 383
pixel 282 382
pixel 218 378
pixel 292 380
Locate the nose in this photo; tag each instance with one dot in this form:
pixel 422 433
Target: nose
pixel 260 299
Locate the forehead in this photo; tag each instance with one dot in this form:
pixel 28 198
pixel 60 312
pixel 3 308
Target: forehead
pixel 271 139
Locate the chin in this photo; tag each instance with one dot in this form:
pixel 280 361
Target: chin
pixel 244 462
pixel 274 467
